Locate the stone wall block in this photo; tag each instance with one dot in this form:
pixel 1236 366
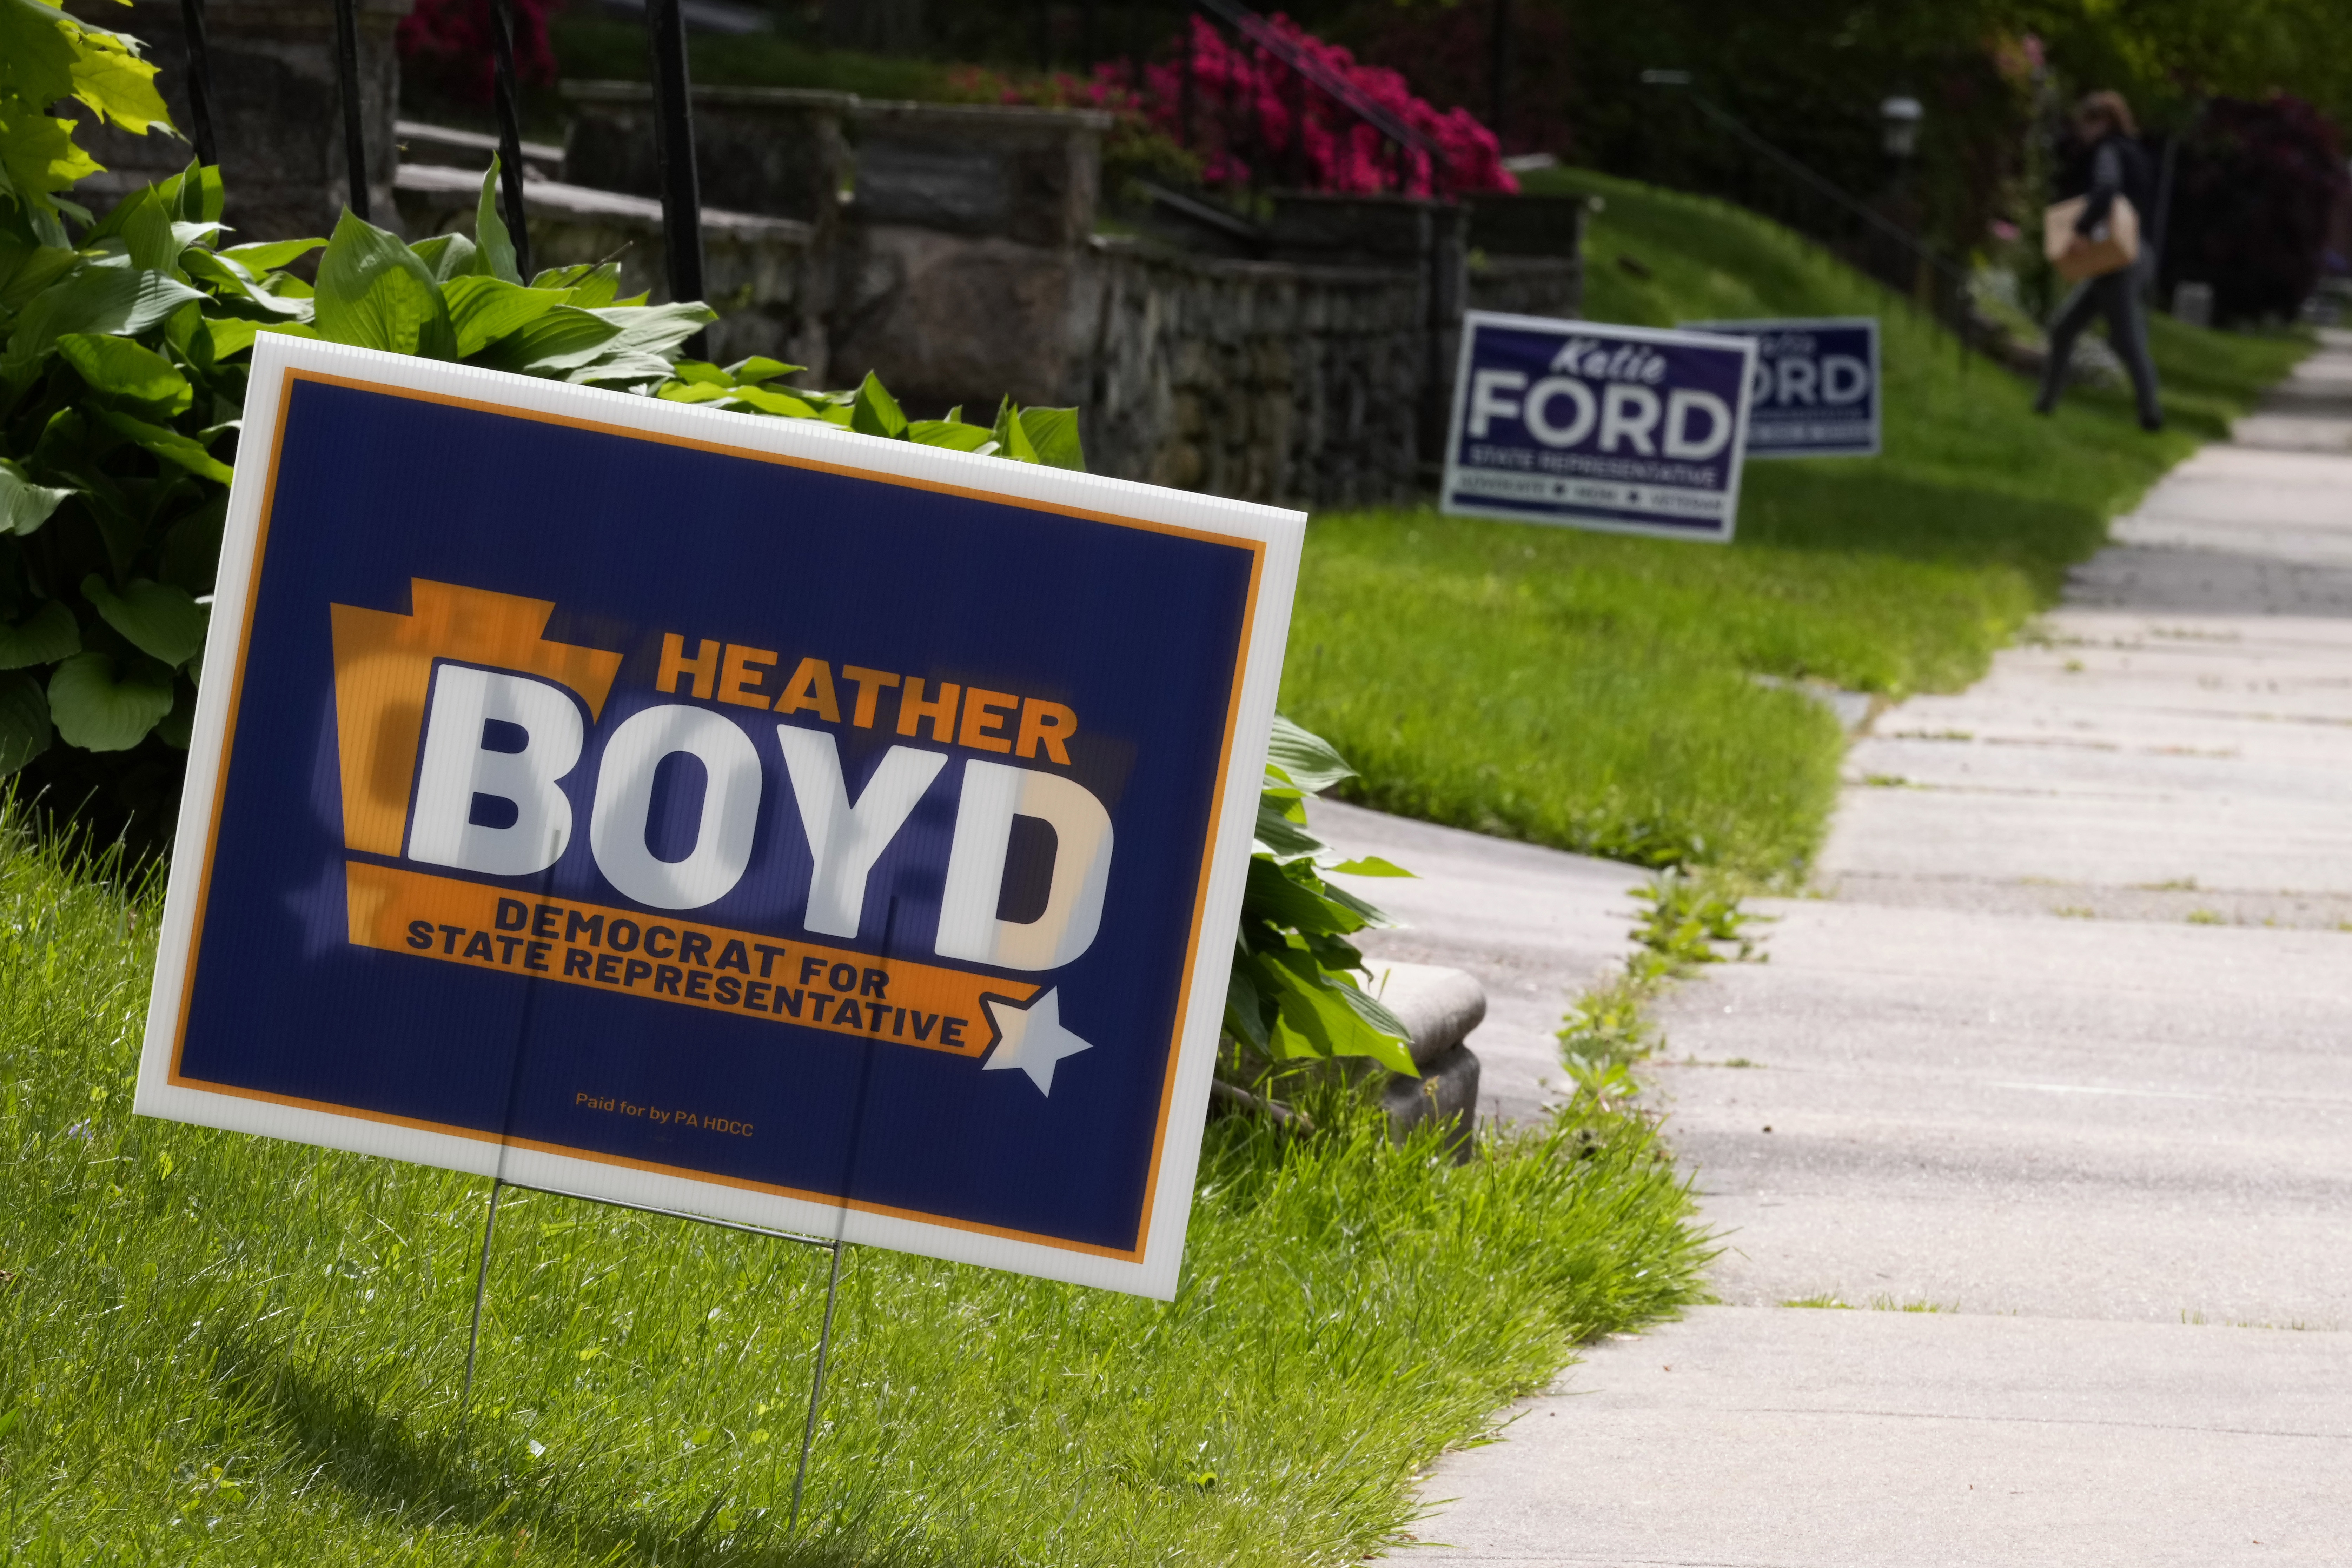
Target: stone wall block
pixel 776 151
pixel 277 111
pixel 1032 175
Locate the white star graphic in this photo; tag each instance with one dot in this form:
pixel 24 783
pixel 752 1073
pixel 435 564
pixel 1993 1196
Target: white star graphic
pixel 1034 1039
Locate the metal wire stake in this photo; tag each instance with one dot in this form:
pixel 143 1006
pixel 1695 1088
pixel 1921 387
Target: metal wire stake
pixel 481 1285
pixel 681 188
pixel 508 90
pixel 200 82
pixel 816 1386
pixel 347 77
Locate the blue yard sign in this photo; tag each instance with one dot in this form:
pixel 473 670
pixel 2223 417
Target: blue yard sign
pixel 1628 429
pixel 728 815
pixel 1817 387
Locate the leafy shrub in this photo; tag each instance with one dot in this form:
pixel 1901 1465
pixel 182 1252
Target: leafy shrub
pixel 447 42
pixel 45 59
pixel 121 390
pixel 1337 152
pixel 121 386
pixel 1292 996
pixel 2257 184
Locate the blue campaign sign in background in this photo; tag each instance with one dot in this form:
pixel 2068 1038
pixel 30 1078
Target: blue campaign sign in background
pixel 728 814
pixel 1817 386
pixel 1628 429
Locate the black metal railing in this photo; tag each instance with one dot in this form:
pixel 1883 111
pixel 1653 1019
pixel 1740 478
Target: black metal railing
pixel 673 119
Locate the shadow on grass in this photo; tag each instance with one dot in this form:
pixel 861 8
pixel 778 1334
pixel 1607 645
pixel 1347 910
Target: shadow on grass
pixel 412 1475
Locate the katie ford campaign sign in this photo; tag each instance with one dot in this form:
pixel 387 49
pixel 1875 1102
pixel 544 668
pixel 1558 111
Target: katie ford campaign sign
pixel 732 815
pixel 1626 429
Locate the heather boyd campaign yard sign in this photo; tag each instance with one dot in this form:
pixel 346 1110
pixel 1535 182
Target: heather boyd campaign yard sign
pixel 1817 386
pixel 1628 429
pixel 731 815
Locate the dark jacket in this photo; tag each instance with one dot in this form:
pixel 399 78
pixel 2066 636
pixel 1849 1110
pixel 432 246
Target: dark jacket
pixel 2113 166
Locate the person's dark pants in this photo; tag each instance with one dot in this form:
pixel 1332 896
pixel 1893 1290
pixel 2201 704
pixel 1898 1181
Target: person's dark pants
pixel 2118 297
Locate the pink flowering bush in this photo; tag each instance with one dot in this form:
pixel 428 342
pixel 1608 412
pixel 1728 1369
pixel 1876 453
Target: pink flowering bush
pixel 449 42
pixel 1249 117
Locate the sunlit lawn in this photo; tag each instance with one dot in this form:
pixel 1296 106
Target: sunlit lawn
pixel 1598 693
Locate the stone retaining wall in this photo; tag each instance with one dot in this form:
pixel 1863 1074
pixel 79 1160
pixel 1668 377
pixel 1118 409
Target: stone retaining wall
pixel 1263 381
pixel 952 248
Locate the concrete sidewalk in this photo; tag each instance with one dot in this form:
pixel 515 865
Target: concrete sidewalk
pixel 2061 1062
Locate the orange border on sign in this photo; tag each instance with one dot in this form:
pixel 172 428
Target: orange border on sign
pixel 1256 548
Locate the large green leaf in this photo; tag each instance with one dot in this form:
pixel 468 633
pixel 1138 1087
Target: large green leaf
pixel 1305 758
pixel 494 251
pixel 1013 436
pixel 269 254
pixel 759 367
pixel 648 338
pixel 228 336
pixel 234 280
pixel 160 621
pixel 39 266
pixel 184 451
pixel 695 391
pixel 1279 837
pixel 24 731
pixel 767 400
pixel 374 293
pixel 192 547
pixel 101 706
pixel 484 309
pixel 38 48
pixel 25 506
pixel 445 256
pixel 950 433
pixel 876 412
pixel 96 299
pixel 1366 865
pixel 109 77
pixel 1317 1019
pixel 1374 1012
pixel 38 156
pixel 1054 433
pixel 121 370
pixel 1295 899
pixel 590 283
pixel 179 726
pixel 43 637
pixel 194 194
pixel 563 339
pixel 142 225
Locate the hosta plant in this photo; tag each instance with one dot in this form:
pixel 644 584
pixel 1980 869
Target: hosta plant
pixel 122 383
pixel 1294 996
pixel 121 386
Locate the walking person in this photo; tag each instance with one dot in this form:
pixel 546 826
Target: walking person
pixel 2108 163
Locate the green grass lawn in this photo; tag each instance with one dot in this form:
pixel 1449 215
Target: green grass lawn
pixel 1597 693
pixel 217 1349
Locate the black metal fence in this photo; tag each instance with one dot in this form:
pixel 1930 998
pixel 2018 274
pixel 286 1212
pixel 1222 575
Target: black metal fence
pixel 673 124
